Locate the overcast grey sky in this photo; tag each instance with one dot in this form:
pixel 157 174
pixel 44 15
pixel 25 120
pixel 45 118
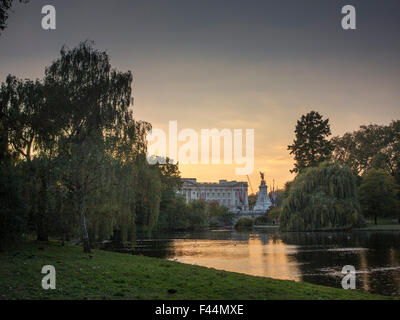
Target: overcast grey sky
pixel 234 64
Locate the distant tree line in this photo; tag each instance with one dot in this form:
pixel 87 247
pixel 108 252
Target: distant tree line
pixel 342 179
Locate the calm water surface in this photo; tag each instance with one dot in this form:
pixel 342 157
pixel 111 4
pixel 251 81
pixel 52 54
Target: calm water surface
pixel 310 257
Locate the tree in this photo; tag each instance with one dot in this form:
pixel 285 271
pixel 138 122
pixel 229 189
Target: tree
pixel 322 197
pixel 218 215
pixel 89 105
pixel 12 209
pixel 5 6
pixel 311 146
pixel 174 216
pixel 274 213
pixel 244 224
pixel 171 182
pixel 70 147
pixel 148 197
pixel 378 194
pixel 171 201
pixel 358 149
pixel 197 214
pixel 23 122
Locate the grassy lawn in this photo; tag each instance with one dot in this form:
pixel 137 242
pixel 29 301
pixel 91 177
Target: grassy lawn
pixel 109 275
pixel 383 224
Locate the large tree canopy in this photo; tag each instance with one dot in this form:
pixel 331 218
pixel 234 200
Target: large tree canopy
pixel 81 155
pixel 372 146
pixel 378 194
pixel 311 146
pixel 89 103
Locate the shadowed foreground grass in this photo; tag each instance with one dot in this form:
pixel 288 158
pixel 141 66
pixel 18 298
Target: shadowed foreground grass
pixel 109 275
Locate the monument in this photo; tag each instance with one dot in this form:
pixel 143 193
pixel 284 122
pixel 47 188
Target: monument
pixel 263 202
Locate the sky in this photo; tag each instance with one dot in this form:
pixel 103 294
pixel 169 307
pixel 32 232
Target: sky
pixel 230 64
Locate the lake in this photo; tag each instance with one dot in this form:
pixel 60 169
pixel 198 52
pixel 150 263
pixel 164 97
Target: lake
pixel 315 257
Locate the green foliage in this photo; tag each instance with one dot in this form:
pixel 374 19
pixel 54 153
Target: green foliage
pixel 218 215
pixel 271 217
pixel 12 210
pixel 197 214
pixel 174 216
pixel 286 191
pixel 262 220
pixel 80 152
pixel 148 198
pixel 244 223
pixel 372 146
pixel 274 213
pixel 378 194
pixel 172 206
pixel 311 146
pixel 321 198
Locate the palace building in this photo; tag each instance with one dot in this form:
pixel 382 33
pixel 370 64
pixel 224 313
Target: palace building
pixel 231 194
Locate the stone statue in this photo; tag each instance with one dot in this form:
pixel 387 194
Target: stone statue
pixel 263 202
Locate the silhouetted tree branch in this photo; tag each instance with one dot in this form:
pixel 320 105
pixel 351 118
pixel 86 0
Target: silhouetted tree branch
pixel 5 7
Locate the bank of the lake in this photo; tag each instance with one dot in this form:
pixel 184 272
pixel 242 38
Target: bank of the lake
pixel 110 275
pixel 381 227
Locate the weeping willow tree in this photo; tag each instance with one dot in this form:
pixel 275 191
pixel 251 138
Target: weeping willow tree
pixel 320 198
pixel 72 140
pixel 111 211
pixel 148 197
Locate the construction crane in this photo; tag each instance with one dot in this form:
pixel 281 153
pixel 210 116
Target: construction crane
pixel 250 184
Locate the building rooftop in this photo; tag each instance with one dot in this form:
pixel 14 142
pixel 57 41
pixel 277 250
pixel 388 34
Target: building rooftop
pixel 222 182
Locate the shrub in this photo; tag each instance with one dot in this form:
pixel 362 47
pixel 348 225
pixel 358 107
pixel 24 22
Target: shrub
pixel 244 223
pixel 261 220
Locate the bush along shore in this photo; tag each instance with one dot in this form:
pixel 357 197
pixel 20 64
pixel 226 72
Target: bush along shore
pixel 111 275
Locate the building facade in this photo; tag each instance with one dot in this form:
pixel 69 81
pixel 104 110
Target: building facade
pixel 231 194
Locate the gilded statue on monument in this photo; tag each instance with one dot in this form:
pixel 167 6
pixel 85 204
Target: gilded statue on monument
pixel 263 202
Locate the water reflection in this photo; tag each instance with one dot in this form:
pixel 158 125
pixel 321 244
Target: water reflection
pixel 311 257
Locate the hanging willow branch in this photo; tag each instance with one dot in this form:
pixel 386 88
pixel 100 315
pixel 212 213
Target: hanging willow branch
pixel 321 198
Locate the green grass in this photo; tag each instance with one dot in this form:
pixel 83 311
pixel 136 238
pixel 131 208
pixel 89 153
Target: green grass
pixel 380 227
pixel 383 224
pixel 109 275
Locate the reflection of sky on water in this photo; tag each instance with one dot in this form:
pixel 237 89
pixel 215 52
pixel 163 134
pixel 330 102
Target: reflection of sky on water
pixel 254 256
pixel 311 257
